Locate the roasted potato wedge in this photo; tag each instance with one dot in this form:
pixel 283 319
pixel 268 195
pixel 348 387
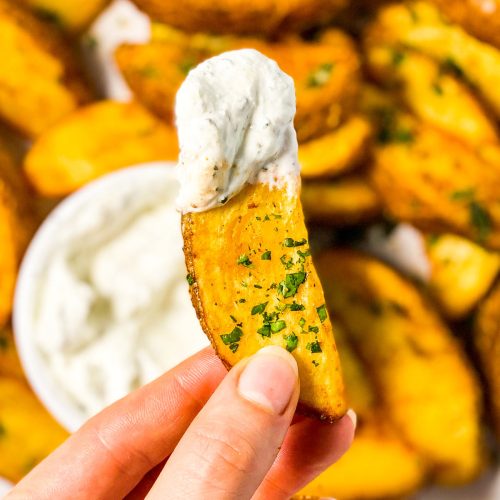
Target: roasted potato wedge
pixel 487 340
pixel 28 433
pixel 437 183
pixel 73 16
pixel 254 284
pixel 96 140
pixel 336 152
pixel 481 18
pixel 10 366
pixel 436 97
pixel 326 73
pixel 461 273
pixel 40 79
pixel 419 25
pixel 378 465
pixel 341 202
pixel 239 16
pixel 416 364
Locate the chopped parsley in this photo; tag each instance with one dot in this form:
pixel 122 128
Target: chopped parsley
pixel 288 264
pixel 259 308
pixel 313 329
pixel 234 336
pixel 463 195
pixel 277 326
pixel 190 279
pixel 265 331
pixel 303 255
pixel 266 217
pixel 290 242
pixel 397 58
pixel 289 286
pixel 480 219
pixel 233 318
pixel 296 307
pixel 322 314
pixel 302 322
pixel 320 76
pixel 234 347
pixel 277 216
pixel 315 363
pixel 242 301
pixel 291 342
pixel 266 255
pixel 314 347
pixel 244 260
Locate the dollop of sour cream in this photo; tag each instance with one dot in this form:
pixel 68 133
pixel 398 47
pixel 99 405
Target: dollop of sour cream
pixel 235 117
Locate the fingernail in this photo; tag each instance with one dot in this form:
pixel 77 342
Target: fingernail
pixel 352 415
pixel 269 379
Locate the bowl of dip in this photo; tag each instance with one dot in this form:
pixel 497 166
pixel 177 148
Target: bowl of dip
pixel 102 303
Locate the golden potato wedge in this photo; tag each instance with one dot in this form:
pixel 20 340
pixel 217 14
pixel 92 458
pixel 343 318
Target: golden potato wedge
pixel 96 140
pixel 437 183
pixel 424 381
pixel 242 17
pixel 27 432
pixel 253 284
pixel 481 18
pixel 419 25
pixel 336 152
pixel 326 73
pixel 436 97
pixel 10 365
pixel 487 340
pixel 40 79
pixel 341 202
pixel 461 273
pixel 378 465
pixel 73 15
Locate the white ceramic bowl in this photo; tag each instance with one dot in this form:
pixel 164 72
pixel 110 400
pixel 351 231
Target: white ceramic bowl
pixel 56 400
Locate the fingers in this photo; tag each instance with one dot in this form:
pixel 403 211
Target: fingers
pixel 309 448
pixel 110 454
pixel 234 440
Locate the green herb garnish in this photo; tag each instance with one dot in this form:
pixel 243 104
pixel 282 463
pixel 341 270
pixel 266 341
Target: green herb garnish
pixel 291 342
pixel 259 308
pixel 290 242
pixel 397 58
pixel 277 326
pixel 480 219
pixel 234 336
pixel 296 307
pixel 322 314
pixel 233 318
pixel 313 329
pixel 266 255
pixel 463 195
pixel 191 281
pixel 314 347
pixel 320 76
pixel 265 331
pixel 289 286
pixel 315 363
pixel 244 260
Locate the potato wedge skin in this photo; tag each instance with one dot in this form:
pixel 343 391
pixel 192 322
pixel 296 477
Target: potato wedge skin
pixel 40 79
pixel 416 364
pixel 239 16
pixel 461 273
pixel 96 140
pixel 487 341
pixel 256 221
pixel 326 73
pixel 341 202
pixel 29 433
pixel 440 184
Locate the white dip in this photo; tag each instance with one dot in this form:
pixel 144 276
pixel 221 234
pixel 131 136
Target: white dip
pixel 235 117
pixel 112 307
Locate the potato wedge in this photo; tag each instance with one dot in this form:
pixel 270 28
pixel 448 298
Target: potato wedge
pixel 437 183
pixel 27 432
pixel 254 284
pixel 416 364
pixel 336 152
pixel 341 202
pixel 239 16
pixel 326 73
pixel 481 18
pixel 378 465
pixel 436 97
pixel 419 25
pixel 96 140
pixel 10 365
pixel 487 340
pixel 73 16
pixel 461 273
pixel 40 79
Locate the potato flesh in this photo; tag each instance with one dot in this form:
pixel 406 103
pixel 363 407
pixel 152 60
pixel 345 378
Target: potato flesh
pixel 224 292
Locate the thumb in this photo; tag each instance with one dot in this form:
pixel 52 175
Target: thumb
pixel 233 442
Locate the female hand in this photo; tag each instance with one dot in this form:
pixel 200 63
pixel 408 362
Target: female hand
pixel 197 432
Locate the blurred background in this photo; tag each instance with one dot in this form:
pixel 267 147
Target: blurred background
pixel 398 111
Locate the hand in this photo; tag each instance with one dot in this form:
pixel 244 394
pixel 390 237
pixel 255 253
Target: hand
pixel 197 432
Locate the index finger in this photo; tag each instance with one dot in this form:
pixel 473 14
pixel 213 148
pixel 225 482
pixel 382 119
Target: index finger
pixel 111 453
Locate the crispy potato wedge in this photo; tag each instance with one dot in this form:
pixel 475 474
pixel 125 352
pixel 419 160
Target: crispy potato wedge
pixel 28 433
pixel 419 25
pixel 326 73
pixel 10 365
pixel 341 202
pixel 436 97
pixel 96 140
pixel 416 364
pixel 254 284
pixel 461 273
pixel 378 465
pixel 40 78
pixel 487 340
pixel 242 17
pixel 437 183
pixel 73 16
pixel 336 152
pixel 481 18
